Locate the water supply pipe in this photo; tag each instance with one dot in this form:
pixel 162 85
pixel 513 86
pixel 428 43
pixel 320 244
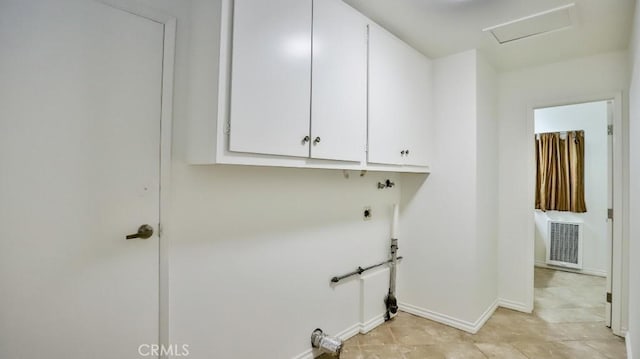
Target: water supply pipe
pixel 360 270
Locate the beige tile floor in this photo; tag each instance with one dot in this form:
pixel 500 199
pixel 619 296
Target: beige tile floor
pixel 568 323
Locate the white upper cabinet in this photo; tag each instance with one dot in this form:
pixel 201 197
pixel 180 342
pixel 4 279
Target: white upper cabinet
pixel 271 77
pixel 299 79
pixel 339 85
pixel 399 101
pixel 310 84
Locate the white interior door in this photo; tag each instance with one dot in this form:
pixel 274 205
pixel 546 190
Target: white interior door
pixel 80 105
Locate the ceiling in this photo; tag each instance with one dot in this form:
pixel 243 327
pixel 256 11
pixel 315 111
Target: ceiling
pixel 443 27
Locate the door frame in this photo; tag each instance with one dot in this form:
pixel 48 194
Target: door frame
pixel 168 23
pixel 620 186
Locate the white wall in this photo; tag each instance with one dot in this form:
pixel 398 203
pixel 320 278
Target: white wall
pixel 592 118
pixel 633 336
pixel 253 249
pixel 438 221
pixel 487 185
pixel 520 90
pixel 450 267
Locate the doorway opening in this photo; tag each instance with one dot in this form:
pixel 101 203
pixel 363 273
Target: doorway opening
pixel 573 226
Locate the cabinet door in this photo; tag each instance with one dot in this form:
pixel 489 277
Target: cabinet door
pixel 419 96
pixel 271 77
pixel 399 100
pixel 339 73
pixel 386 94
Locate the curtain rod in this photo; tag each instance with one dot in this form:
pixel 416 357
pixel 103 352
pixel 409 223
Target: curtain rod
pixel 562 133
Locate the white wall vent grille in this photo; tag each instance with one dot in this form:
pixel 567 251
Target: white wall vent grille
pixel 564 247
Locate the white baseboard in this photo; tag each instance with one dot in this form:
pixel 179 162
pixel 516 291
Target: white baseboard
pixel 346 334
pixel 349 332
pixel 470 327
pixel 307 354
pixel 627 340
pixel 480 322
pixel 371 323
pixel 509 304
pixel 588 271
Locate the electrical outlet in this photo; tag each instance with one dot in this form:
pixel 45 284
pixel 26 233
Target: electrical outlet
pixel 366 213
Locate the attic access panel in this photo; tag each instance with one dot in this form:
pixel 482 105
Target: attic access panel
pixel 545 22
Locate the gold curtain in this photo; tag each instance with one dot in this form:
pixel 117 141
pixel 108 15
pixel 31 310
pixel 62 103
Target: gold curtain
pixel 560 172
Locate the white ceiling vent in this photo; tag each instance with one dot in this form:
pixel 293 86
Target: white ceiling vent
pixel 555 19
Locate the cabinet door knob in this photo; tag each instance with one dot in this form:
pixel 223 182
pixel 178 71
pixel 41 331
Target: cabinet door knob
pixel 402 152
pixel 406 152
pixel 316 140
pixel 305 139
